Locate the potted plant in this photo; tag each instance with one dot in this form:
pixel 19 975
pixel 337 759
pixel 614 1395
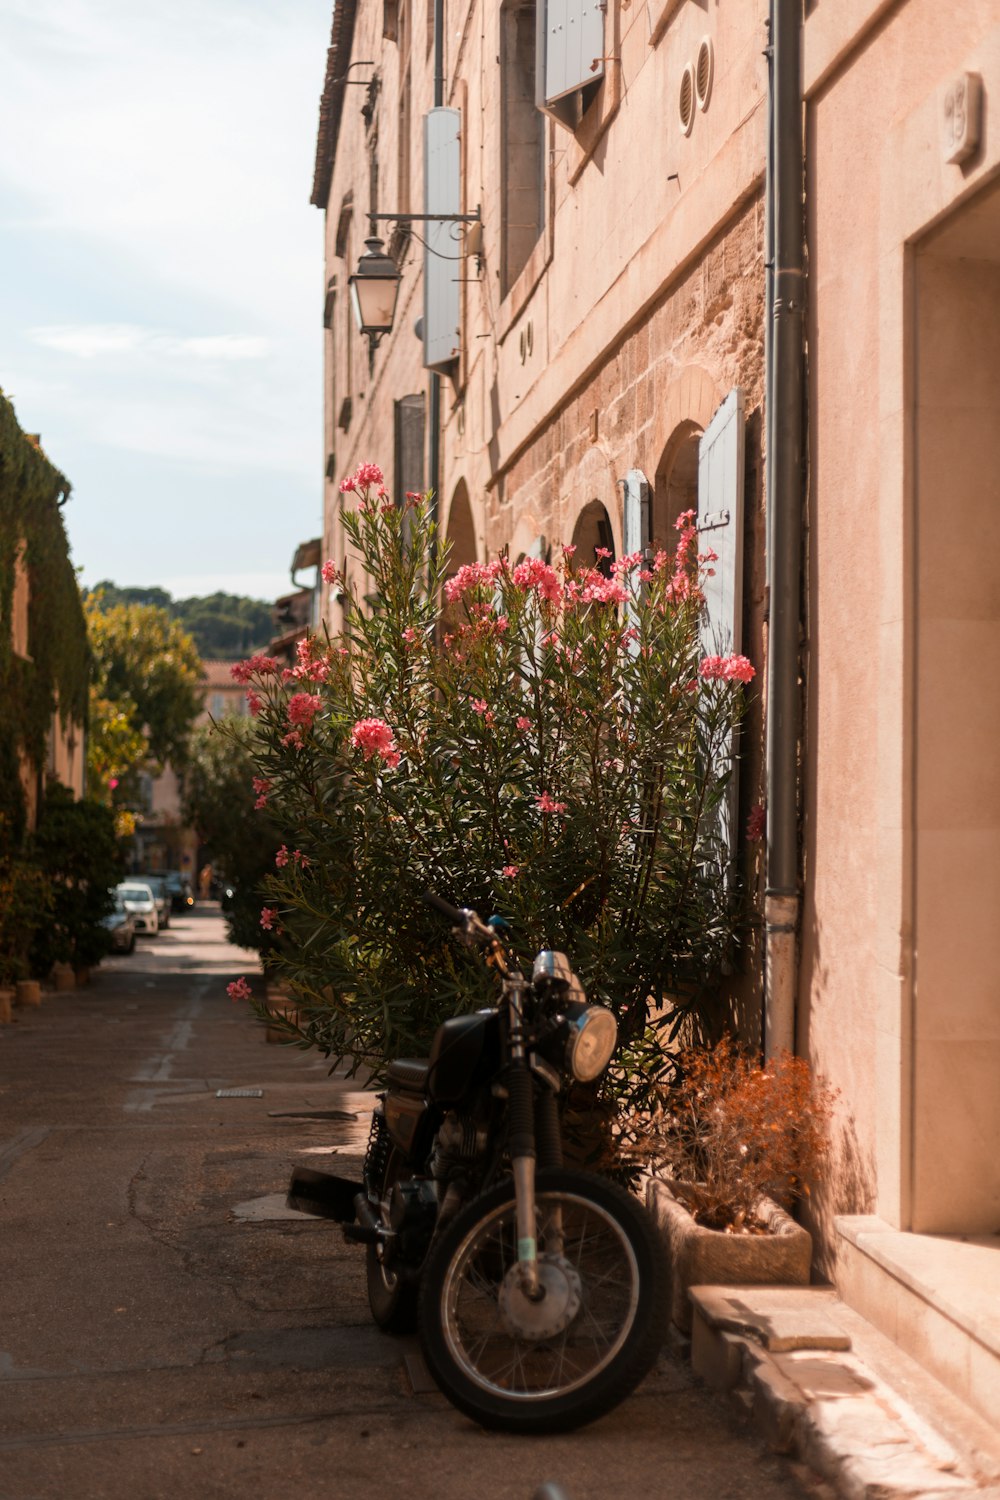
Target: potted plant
pixel 730 1146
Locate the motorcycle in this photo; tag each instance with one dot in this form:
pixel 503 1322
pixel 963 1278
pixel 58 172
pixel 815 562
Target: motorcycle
pixel 537 1291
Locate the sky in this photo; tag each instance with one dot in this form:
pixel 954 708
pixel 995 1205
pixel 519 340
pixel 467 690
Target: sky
pixel 161 279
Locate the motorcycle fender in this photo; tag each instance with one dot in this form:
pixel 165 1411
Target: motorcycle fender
pixel 403 1116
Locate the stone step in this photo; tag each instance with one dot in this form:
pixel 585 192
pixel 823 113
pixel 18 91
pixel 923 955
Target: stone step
pixel 821 1382
pixel 936 1296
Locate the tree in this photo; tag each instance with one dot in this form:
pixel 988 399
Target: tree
pixel 76 849
pixel 147 666
pixel 240 839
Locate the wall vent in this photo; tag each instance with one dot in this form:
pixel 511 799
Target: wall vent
pixel 703 72
pixel 685 103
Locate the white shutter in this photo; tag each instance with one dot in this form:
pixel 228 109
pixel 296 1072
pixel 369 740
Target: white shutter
pixel 720 530
pixel 637 529
pixel 571 35
pixel 442 195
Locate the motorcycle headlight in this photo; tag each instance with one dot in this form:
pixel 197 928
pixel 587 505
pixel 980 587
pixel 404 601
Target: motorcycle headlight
pixel 592 1037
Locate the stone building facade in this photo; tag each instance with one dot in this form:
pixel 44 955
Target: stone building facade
pixel 608 303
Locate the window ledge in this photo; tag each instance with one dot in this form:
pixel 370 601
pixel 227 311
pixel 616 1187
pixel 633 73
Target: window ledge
pixel 660 13
pixel 521 292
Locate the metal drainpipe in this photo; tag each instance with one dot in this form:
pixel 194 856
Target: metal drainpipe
pixel 784 525
pixel 434 420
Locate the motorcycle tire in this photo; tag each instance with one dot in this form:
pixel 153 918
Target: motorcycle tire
pixel 393 1301
pixel 556 1364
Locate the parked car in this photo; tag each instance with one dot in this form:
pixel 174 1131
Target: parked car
pixel 137 899
pixel 179 886
pixel 161 895
pixel 120 925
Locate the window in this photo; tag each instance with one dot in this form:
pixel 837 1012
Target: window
pixel 523 141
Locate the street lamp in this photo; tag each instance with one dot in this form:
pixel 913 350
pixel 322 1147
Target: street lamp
pixel 375 284
pixel 374 288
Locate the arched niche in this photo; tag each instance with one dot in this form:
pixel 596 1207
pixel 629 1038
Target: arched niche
pixel 686 409
pixel 593 531
pixel 461 530
pixel 675 483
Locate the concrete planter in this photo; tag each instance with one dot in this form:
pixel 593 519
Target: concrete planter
pixel 708 1257
pixel 28 992
pixel 63 977
pixel 6 1004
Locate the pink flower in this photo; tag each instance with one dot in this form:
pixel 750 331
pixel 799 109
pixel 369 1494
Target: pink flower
pixel 603 552
pixel 727 669
pixel 604 591
pixel 281 858
pixel 303 708
pixel 302 860
pixel 254 702
pixel 756 823
pixel 479 705
pixel 259 665
pixel 409 635
pixel 511 872
pixel 347 486
pixel 293 739
pixel 569 549
pixel 238 990
pixel 523 723
pixel 261 786
pixel 267 917
pixel 536 574
pixel 471 576
pixel 374 737
pixel 546 804
pixel 368 476
pixel 329 571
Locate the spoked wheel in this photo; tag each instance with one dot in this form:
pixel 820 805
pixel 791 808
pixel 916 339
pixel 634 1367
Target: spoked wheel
pixel 567 1358
pixel 393 1302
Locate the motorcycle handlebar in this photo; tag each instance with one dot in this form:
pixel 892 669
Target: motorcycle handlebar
pixel 455 913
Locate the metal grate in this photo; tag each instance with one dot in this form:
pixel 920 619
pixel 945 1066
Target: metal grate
pixel 239 1093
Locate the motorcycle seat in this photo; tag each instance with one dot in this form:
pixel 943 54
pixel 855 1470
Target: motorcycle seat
pixel 409 1073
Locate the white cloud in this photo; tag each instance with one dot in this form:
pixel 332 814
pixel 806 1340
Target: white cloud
pixel 88 340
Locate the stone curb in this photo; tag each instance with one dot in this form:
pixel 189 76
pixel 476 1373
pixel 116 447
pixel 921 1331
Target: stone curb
pixel 782 1354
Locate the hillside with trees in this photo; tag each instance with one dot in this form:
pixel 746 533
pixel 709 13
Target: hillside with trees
pixel 226 626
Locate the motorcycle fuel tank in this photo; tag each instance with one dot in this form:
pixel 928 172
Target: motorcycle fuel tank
pixel 466 1052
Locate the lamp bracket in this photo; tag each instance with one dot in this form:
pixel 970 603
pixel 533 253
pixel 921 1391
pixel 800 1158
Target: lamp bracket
pixel 407 218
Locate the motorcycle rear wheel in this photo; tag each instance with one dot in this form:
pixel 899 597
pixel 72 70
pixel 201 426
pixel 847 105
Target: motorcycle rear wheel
pixel 393 1302
pixel 607 1312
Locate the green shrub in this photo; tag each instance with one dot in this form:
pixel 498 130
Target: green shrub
pixel 555 748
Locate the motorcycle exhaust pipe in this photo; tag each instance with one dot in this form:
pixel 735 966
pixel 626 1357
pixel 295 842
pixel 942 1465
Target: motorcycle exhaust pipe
pixel 368 1230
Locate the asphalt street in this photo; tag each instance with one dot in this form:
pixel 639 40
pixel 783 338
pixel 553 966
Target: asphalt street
pixel 167 1328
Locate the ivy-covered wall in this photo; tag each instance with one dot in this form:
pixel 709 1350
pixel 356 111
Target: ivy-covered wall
pixel 57 667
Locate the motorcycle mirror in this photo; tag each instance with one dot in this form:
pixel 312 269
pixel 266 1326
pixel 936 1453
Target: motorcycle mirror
pixel 498 923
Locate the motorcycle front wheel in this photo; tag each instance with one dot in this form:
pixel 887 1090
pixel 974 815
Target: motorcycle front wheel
pixel 554 1364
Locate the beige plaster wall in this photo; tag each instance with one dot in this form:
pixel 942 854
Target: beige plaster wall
pixel 876 181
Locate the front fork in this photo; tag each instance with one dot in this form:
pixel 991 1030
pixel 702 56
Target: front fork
pixel 523 1147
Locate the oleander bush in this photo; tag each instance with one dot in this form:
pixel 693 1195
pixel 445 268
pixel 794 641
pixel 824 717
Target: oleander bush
pixel 537 739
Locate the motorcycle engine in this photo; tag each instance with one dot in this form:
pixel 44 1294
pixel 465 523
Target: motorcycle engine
pixel 458 1143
